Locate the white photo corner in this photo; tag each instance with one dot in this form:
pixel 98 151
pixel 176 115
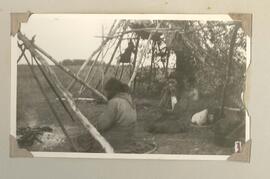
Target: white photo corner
pixel 131 86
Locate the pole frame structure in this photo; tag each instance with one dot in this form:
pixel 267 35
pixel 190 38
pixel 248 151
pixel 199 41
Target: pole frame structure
pixel 63 68
pixel 54 89
pixel 111 32
pixel 144 51
pixel 72 145
pixel 70 101
pixel 113 54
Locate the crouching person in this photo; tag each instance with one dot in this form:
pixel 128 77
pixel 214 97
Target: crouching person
pixel 118 122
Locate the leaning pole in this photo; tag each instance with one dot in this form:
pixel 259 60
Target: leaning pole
pixel 70 101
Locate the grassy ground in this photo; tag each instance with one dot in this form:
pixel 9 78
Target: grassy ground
pixel 33 111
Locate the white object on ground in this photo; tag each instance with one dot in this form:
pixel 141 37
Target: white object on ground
pixel 174 101
pixel 200 118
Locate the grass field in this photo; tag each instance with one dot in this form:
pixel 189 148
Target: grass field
pixel 33 111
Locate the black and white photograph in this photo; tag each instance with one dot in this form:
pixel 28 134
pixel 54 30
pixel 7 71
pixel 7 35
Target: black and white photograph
pixel 130 86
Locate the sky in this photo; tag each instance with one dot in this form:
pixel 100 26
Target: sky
pixel 64 36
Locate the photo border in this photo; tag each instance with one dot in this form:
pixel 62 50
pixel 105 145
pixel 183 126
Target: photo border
pixel 213 17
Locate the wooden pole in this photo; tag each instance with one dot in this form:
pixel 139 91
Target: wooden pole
pixel 63 68
pixel 111 32
pixel 89 79
pixel 151 66
pixel 122 71
pixel 102 62
pixel 85 122
pixel 136 52
pixel 135 59
pixel 160 30
pixel 51 85
pixel 113 54
pixel 144 50
pixel 22 54
pixel 50 104
pixel 102 55
pixel 54 89
pixel 89 71
pixel 151 30
pixel 116 71
pixel 167 63
pixel 230 59
pixel 72 83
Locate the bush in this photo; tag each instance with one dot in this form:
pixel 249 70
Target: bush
pixel 67 62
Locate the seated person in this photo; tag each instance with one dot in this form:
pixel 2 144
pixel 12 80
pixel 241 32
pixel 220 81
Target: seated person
pixel 168 94
pixel 117 123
